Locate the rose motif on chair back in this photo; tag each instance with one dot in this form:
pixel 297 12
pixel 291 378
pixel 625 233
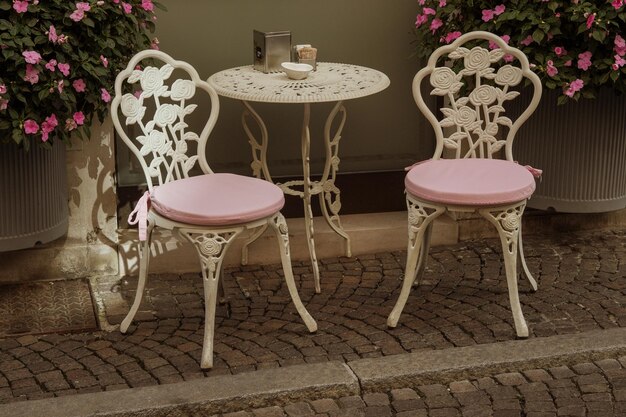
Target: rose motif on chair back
pixel 474 97
pixel 164 137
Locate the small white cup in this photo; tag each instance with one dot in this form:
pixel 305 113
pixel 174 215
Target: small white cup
pixel 296 71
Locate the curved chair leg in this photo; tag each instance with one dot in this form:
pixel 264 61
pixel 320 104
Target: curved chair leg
pixel 421 215
pixel 522 259
pixel 211 247
pixel 280 227
pixel 253 237
pixel 508 220
pixel 423 256
pixel 144 262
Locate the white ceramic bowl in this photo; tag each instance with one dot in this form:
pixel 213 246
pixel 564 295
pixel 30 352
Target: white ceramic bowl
pixel 296 71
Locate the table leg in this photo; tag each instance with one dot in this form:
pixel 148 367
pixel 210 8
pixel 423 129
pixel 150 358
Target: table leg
pixel 308 212
pixel 258 165
pixel 330 199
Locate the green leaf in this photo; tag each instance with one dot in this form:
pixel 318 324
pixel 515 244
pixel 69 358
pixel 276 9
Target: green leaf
pixel 43 94
pixel 599 35
pixel 5 5
pixel 538 35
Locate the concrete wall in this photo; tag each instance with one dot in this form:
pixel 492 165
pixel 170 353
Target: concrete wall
pixel 383 131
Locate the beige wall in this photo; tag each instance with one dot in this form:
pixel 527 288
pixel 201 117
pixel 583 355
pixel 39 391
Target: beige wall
pixel 383 131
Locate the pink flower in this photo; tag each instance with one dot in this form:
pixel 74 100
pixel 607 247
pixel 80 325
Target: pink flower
pixel 148 6
pixel 77 15
pixel 105 61
pixel 551 69
pixel 155 43
pixel 31 57
pixel 435 24
pixel 428 10
pixel 127 8
pixel 52 34
pixel 560 51
pixel 137 93
pixel 32 74
pixel 499 9
pixel 442 3
pixel 488 15
pixel 64 68
pixel 3 88
pixel 452 36
pixel 617 4
pixel 421 19
pixel 51 64
pixel 79 118
pixel 568 63
pixel 48 126
pixel 3 104
pixel 493 45
pixel 573 87
pixel 31 127
pixel 584 60
pixel 508 58
pixel 590 20
pixel 20 6
pixel 104 94
pixel 60 86
pixel 619 62
pixel 527 40
pixel 84 6
pixel 620 45
pixel 79 85
pixel 421 2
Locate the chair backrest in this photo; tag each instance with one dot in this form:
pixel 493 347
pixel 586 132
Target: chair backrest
pixel 155 107
pixel 475 95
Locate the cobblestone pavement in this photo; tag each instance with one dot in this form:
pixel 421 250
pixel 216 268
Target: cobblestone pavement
pixel 462 301
pixel 583 390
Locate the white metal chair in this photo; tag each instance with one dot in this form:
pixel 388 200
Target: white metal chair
pixel 472 180
pixel 209 210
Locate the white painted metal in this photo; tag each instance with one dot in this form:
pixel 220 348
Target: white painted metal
pixel 331 82
pixel 164 157
pixel 473 123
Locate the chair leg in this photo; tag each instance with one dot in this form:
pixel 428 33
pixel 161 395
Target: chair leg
pixel 211 247
pixel 507 221
pixel 253 237
pixel 423 257
pixel 421 215
pixel 144 262
pixel 280 227
pixel 522 259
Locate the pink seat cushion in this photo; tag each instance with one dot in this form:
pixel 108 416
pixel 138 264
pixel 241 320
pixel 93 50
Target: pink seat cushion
pixel 217 199
pixel 470 182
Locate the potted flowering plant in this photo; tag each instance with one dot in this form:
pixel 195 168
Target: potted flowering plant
pixel 59 60
pixel 578 49
pixel 575 46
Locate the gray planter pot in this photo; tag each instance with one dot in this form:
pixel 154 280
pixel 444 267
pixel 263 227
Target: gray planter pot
pixel 33 202
pixel 581 148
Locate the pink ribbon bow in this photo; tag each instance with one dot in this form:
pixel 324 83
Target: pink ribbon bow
pixel 139 216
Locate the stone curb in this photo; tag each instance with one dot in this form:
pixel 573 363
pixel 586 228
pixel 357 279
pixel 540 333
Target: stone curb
pixel 204 396
pixel 222 394
pixel 441 366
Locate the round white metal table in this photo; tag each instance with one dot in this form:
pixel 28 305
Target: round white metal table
pixel 331 82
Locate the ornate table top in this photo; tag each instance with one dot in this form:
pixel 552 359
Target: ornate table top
pixel 331 82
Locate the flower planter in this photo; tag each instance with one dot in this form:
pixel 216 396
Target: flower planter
pixel 581 146
pixel 33 204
